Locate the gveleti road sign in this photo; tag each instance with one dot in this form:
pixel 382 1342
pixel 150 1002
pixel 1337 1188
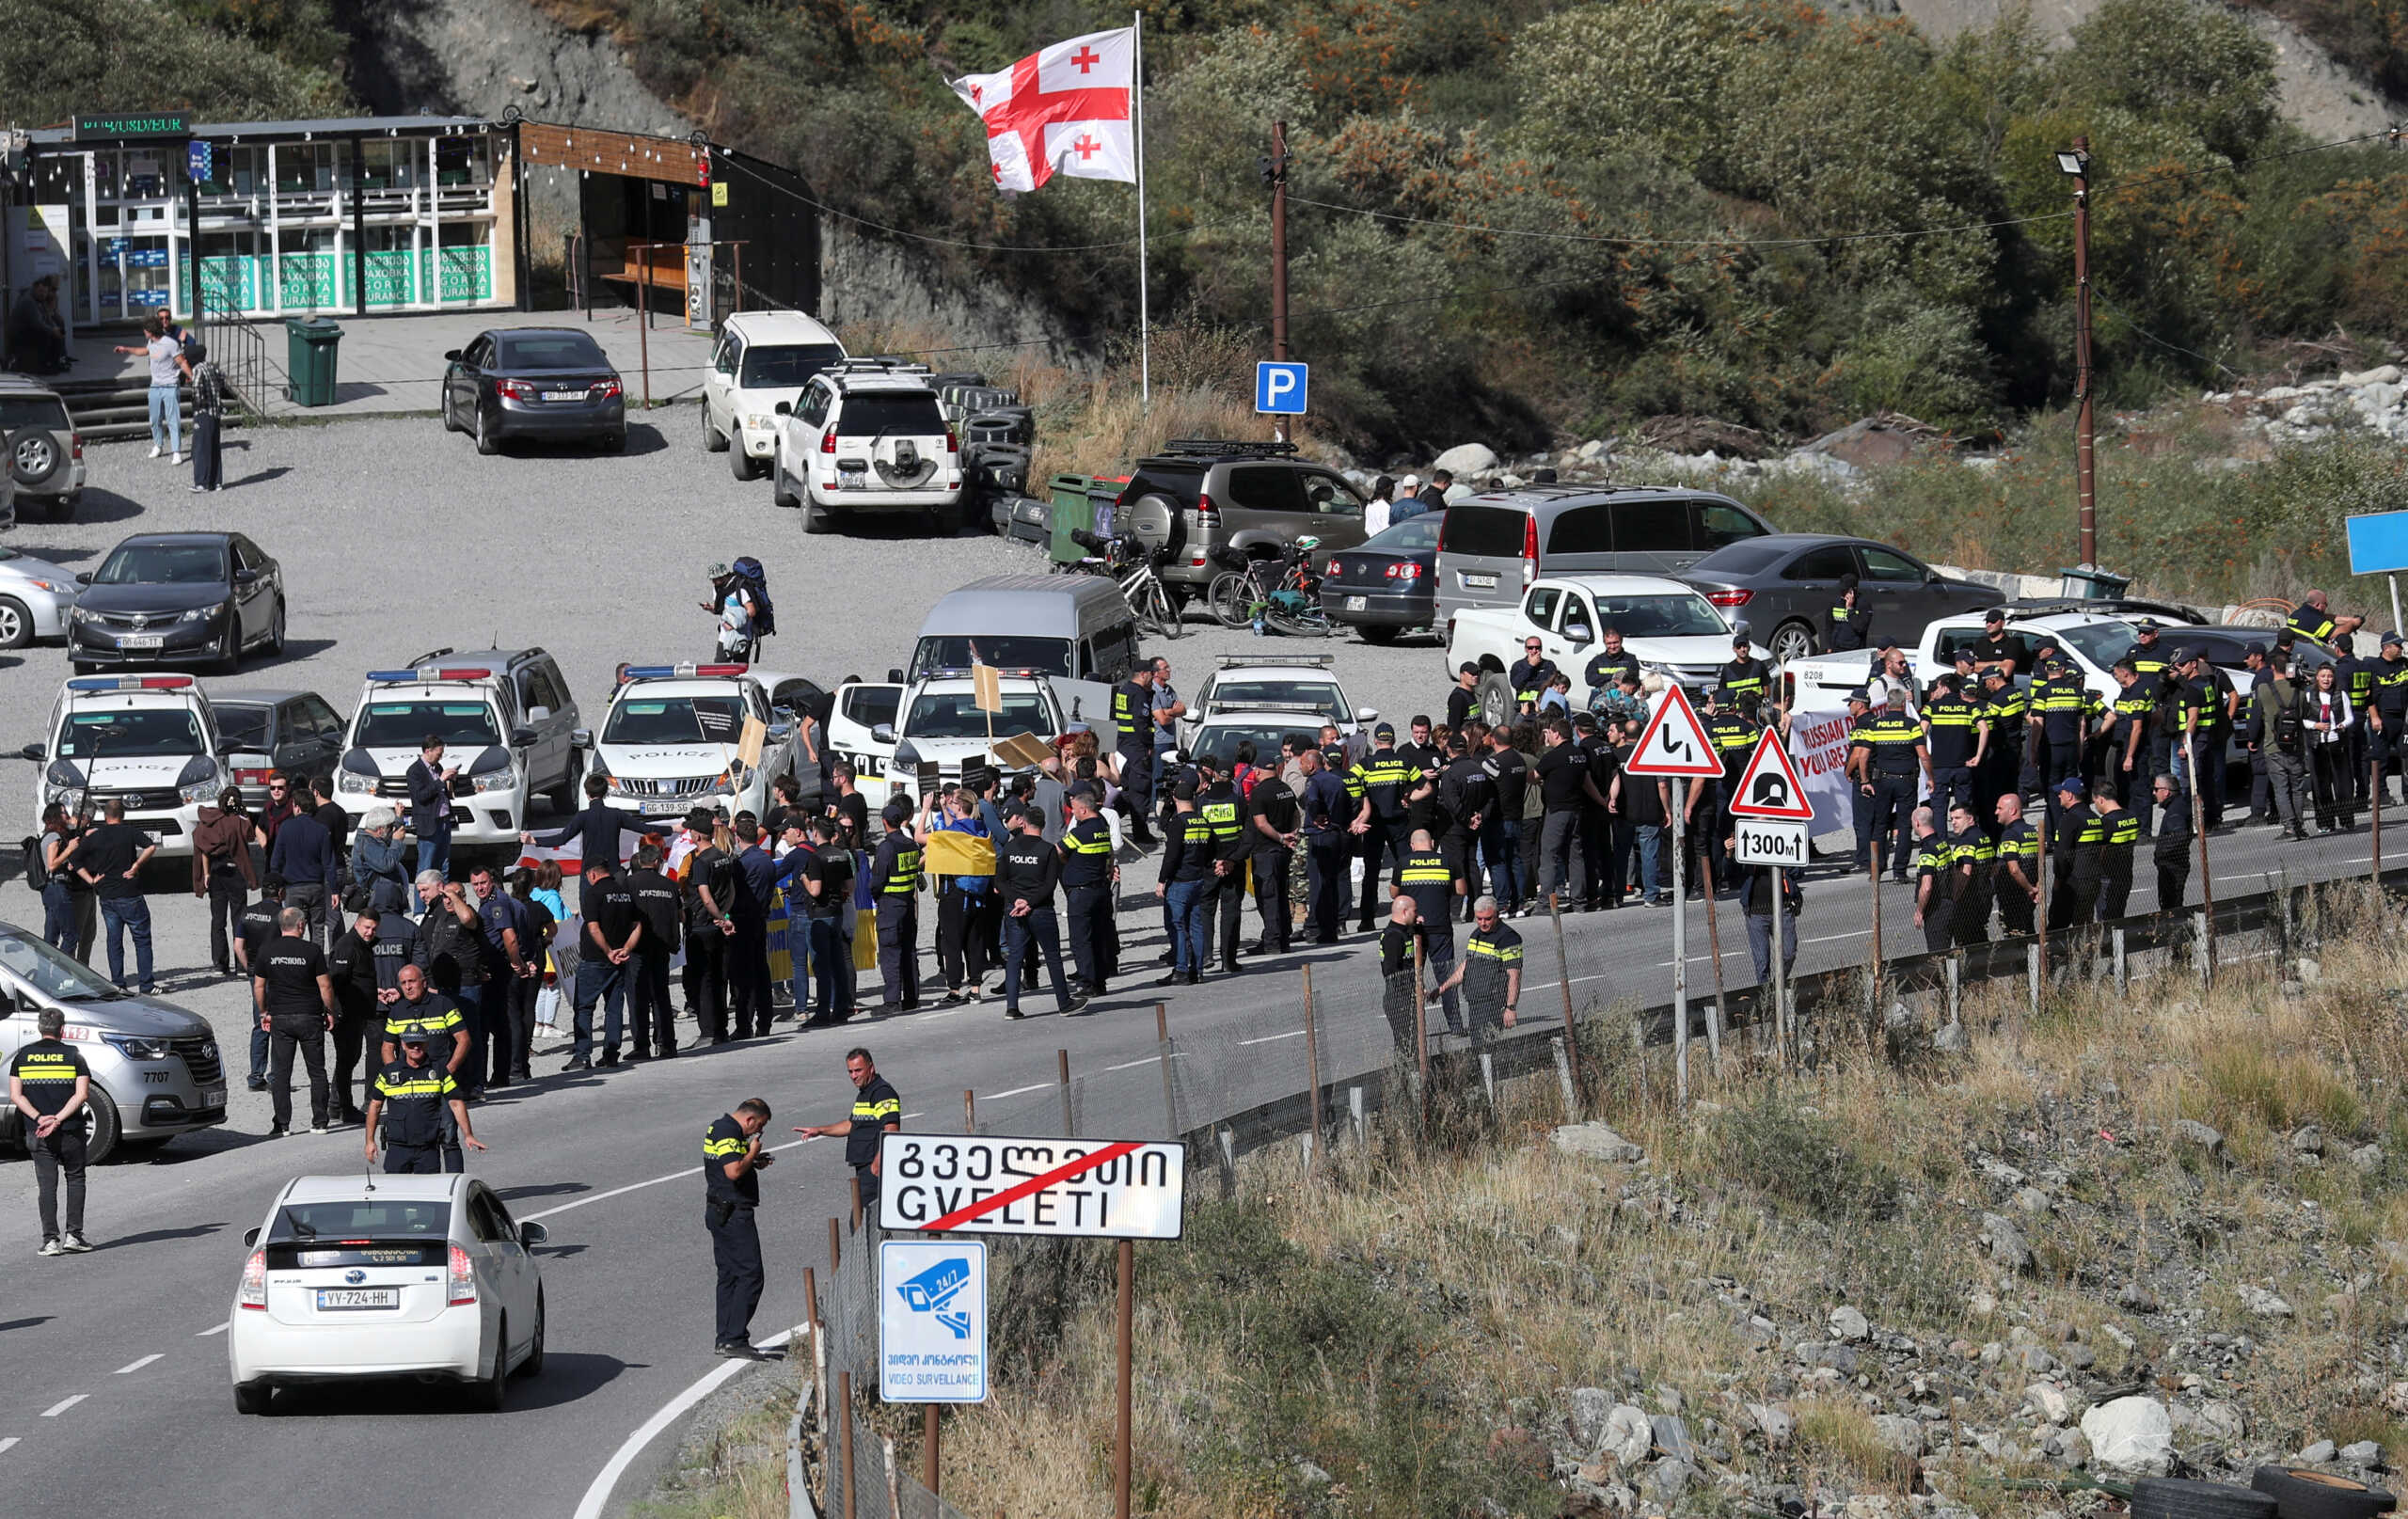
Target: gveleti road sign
pixel 1675 742
pixel 1769 786
pixel 988 1185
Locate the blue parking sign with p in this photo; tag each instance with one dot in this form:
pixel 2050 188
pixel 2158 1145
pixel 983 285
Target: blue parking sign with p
pixel 1279 388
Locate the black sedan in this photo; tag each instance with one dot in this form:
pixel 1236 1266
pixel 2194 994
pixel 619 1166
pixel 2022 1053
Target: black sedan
pixel 1783 585
pixel 1389 585
pixel 177 599
pixel 295 733
pixel 534 382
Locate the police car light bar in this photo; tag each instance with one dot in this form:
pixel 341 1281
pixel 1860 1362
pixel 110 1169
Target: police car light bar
pixel 426 676
pixel 130 683
pixel 1241 661
pixel 627 672
pixel 965 671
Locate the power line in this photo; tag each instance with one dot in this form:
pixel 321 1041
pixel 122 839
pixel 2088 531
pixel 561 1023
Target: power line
pixel 2126 318
pixel 825 209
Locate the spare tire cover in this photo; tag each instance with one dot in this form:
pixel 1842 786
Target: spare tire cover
pixel 1150 519
pixel 36 456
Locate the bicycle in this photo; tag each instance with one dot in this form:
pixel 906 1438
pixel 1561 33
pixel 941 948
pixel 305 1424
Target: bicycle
pixel 1131 565
pixel 1279 590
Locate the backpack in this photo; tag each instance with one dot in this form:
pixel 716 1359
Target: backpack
pixel 36 873
pixel 2289 723
pixel 748 573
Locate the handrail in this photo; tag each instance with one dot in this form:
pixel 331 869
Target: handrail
pixel 237 346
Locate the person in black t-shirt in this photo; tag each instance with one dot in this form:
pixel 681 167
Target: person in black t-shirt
pixel 48 1084
pixel 1565 789
pixel 1639 803
pixel 657 904
pixel 1500 827
pixel 1465 699
pixel 111 863
pixel 710 891
pixel 295 999
pixel 1027 871
pixel 605 943
pixel 824 875
pixel 253 932
pixel 732 1159
pixel 1398 965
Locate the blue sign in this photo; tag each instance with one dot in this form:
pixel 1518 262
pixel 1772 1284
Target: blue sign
pixel 2378 543
pixel 200 160
pixel 1279 388
pixel 932 1322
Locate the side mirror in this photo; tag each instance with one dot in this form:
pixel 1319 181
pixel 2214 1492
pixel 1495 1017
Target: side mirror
pixel 580 738
pixel 36 753
pixel 532 1234
pixel 784 408
pixel 781 730
pixel 537 714
pixel 521 737
pixel 883 732
pixel 250 1237
pixel 894 677
pixel 247 576
pixel 1367 714
pixel 1319 495
pixel 452 355
pixel 84 577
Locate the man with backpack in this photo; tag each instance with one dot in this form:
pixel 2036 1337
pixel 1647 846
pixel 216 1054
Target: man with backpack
pixel 740 601
pixel 2277 703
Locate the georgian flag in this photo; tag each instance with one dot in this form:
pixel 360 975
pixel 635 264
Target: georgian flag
pixel 1064 110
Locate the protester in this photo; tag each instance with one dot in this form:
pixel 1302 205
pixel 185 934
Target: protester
pixel 169 369
pixel 111 863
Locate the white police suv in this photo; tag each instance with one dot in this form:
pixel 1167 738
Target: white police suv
pixel 941 723
pixel 150 742
pixel 505 719
pixel 674 739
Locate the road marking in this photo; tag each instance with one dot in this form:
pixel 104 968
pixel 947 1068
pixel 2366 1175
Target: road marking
pixel 136 1366
pixel 6 1444
pixel 597 1494
pixel 1271 1038
pixel 621 1192
pixel 63 1406
pixel 1020 1091
pixel 212 1329
pixel 1150 1060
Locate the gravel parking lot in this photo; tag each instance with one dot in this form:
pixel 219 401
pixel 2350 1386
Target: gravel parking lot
pixel 396 538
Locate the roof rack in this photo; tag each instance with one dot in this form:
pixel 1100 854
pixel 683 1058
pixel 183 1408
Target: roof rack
pixel 880 364
pixel 2053 606
pixel 1240 661
pixel 1229 448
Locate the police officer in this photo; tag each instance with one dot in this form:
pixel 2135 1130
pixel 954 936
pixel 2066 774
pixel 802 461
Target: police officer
pixel 877 1109
pixel 2170 847
pixel 1490 976
pixel 2207 701
pixel 1027 870
pixel 732 1161
pixel 2120 838
pixel 2004 706
pixel 1398 937
pixel 1734 737
pixel 1088 872
pixel 1467 797
pixel 894 886
pixel 657 904
pixel 1132 713
pixel 1382 778
pixel 1422 875
pixel 1422 755
pixel 1848 626
pixel 411 1098
pixel 2061 709
pixel 49 1086
pixel 2015 881
pixel 2134 743
pixel 2356 676
pixel 1887 754
pixel 1957 731
pixel 295 1000
pixel 2313 621
pixel 417 1007
pixel 1936 883
pixel 254 931
pixel 2388 738
pixel 1272 831
pixel 1463 700
pixel 1607 667
pixel 2076 845
pixel 2149 658
pixel 1969 916
pixel 1529 677
pixel 1223 813
pixel 1328 813
pixel 1746 676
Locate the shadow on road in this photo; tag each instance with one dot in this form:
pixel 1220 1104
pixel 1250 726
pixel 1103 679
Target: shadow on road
pixel 6 1324
pixel 550 1189
pixel 567 1377
pixel 154 1236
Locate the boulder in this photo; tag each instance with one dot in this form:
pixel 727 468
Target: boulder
pixel 2194 1131
pixel 1586 1410
pixel 1900 1433
pixel 2317 1453
pixel 2131 1435
pixel 2366 1157
pixel 2265 1305
pixel 1465 459
pixel 2030 1199
pixel 1596 1142
pixel 1666 1482
pixel 2307 1139
pixel 1774 1422
pixel 1671 1437
pixel 1847 1323
pixel 2363 1453
pixel 2137 1298
pixel 2049 1401
pixel 2379 374
pixel 2006 1242
pixel 1628 1436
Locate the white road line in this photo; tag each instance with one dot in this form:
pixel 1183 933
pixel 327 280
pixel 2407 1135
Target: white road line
pixel 136 1366
pixel 1017 1091
pixel 1269 1039
pixel 621 1192
pixel 212 1329
pixel 63 1406
pixel 1132 1065
pixel 4 1444
pixel 597 1494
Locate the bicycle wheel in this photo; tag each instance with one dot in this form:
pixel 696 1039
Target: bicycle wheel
pixel 1231 598
pixel 1310 624
pixel 1156 611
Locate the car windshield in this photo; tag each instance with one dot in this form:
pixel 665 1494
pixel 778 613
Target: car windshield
pixel 51 974
pixel 875 415
pixel 956 715
pixel 164 565
pixel 2102 643
pixel 786 365
pixel 364 1218
pixel 1005 651
pixel 552 351
pixel 144 733
pixel 1411 535
pixel 1660 617
pixel 406 724
pixel 1317 695
pixel 1221 742
pixel 675 719
pixel 244 725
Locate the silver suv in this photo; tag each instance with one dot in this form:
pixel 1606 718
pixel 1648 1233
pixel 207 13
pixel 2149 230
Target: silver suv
pixel 40 453
pixel 156 1072
pixel 1213 503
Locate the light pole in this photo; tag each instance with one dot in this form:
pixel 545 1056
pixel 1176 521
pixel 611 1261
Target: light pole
pixel 2075 164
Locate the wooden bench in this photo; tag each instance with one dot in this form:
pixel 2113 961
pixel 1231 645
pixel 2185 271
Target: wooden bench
pixel 668 271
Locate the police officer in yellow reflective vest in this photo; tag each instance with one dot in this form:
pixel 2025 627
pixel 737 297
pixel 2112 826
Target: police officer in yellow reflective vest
pixel 1937 873
pixel 877 1109
pixel 1956 729
pixel 1888 755
pixel 1491 972
pixel 732 1161
pixel 2075 851
pixel 1732 730
pixel 1380 779
pixel 894 886
pixel 2002 767
pixel 1087 875
pixel 2119 840
pixel 409 1098
pixel 1423 875
pixel 1969 919
pixel 1224 811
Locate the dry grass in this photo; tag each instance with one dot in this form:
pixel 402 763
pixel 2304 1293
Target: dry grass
pixel 735 1472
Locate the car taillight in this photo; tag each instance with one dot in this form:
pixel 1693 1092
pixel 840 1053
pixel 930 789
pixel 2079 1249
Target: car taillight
pixel 464 1279
pixel 1207 515
pixel 604 389
pixel 78 444
pixel 1730 598
pixel 516 389
pixel 254 1294
pixel 1529 550
pixel 828 442
pixel 952 441
pixel 250 777
pixel 1405 571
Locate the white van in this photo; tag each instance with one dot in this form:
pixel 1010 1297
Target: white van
pixel 763 358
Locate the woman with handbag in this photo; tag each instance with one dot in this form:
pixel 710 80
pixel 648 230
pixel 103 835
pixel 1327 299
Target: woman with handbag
pixel 2325 723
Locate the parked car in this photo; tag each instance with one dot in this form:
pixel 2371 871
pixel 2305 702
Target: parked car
pixel 178 597
pixel 44 455
pixel 295 733
pixel 533 382
pixel 1201 494
pixel 150 742
pixel 1675 634
pixel 1783 584
pixel 865 439
pixel 355 1277
pixel 1497 543
pixel 1077 630
pixel 1389 585
pixel 941 723
pixel 157 1071
pixel 1304 685
pixel 35 599
pixel 763 357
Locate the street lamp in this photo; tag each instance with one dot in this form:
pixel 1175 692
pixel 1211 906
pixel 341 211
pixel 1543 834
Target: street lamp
pixel 2075 164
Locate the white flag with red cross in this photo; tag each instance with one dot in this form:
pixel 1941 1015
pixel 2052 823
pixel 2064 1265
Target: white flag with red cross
pixel 1064 110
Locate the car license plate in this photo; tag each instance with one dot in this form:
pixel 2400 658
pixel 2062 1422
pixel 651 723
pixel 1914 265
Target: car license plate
pixel 853 479
pixel 564 395
pixel 212 1096
pixel 1355 603
pixel 353 1299
pixel 1480 582
pixel 664 808
pixel 139 640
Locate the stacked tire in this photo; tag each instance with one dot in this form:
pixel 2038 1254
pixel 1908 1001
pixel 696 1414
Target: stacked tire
pixel 2272 1493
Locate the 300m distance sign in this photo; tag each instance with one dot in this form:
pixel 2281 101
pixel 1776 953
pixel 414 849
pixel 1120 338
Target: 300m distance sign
pixel 988 1185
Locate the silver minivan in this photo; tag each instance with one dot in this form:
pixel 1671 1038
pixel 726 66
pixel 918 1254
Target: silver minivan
pixel 1494 545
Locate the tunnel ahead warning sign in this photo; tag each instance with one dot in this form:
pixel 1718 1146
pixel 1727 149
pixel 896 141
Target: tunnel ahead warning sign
pixel 987 1184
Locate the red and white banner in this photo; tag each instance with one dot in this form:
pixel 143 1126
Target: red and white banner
pixel 1064 110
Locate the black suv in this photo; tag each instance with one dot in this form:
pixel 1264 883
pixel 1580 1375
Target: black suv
pixel 1199 495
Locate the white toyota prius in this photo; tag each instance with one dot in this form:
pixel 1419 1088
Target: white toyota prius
pixel 424 1278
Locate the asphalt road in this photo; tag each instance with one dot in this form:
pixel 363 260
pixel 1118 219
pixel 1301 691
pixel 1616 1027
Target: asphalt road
pixel 398 538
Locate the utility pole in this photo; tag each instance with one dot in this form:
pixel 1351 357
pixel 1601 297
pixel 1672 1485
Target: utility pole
pixel 1274 173
pixel 2077 164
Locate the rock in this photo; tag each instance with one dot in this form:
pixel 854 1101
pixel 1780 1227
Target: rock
pixel 2265 1305
pixel 2132 1435
pixel 1666 1480
pixel 2136 1297
pixel 2307 1139
pixel 2072 1450
pixel 1900 1433
pixel 1948 1040
pixel 2306 972
pixel 2034 1360
pixel 1593 450
pixel 2317 1453
pixel 2006 1242
pixel 2002 1173
pixel 1839 1358
pixel 2363 1453
pixel 1628 1436
pixel 2197 1133
pixel 2379 374
pixel 1980 1304
pixel 1774 1422
pixel 1671 1437
pixel 2031 1199
pixel 2049 1401
pixel 2214 1420
pixel 1465 459
pixel 1847 1323
pixel 1586 1410
pixel 2395 1398
pixel 2081 1357
pixel 2119 1336
pixel 1315 1476
pixel 1596 1142
pixel 2365 1157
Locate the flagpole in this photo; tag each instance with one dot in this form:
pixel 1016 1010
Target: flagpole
pixel 1137 112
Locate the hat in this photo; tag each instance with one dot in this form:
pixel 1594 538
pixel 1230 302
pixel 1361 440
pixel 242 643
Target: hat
pixel 1962 657
pixel 1864 696
pixel 1996 614
pixel 894 813
pixel 416 1036
pixel 2389 639
pixel 717 572
pixel 1409 484
pixel 275 882
pixel 2147 624
pixel 1385 730
pixel 2071 785
pixel 1848 581
pixel 1184 791
pixel 1739 640
pixel 1468 668
pixel 2186 655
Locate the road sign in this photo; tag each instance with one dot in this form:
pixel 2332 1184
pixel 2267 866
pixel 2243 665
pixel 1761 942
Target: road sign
pixel 1769 786
pixel 1675 742
pixel 932 1320
pixel 1279 388
pixel 2378 541
pixel 987 1184
pixel 1756 841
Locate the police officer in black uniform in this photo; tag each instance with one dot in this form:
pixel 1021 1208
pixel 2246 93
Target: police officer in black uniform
pixel 1467 797
pixel 2076 846
pixel 1088 872
pixel 2388 738
pixel 1132 712
pixel 1380 780
pixel 1746 676
pixel 894 886
pixel 1888 755
pixel 410 1099
pixel 1397 965
pixel 2062 709
pixel 2134 736
pixel 1733 735
pixel 1273 824
pixel 1848 626
pixel 2119 840
pixel 50 1085
pixel 1936 886
pixel 1422 754
pixel 665 919
pixel 1969 916
pixel 1423 875
pixel 1956 730
pixel 2004 706
pixel 1027 870
pixel 2015 880
pixel 1610 664
pixel 1223 813
pixel 877 1109
pixel 732 1161
pixel 2356 676
pixel 2207 707
pixel 1490 974
pixel 254 931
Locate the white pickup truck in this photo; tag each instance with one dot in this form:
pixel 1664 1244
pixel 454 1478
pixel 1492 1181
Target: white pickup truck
pixel 1674 633
pixel 2093 637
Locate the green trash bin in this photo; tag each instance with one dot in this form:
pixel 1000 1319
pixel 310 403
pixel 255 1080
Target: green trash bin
pixel 310 347
pixel 1073 509
pixel 2088 582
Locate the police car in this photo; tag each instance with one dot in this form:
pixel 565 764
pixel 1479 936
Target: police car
pixel 674 737
pixel 147 741
pixel 1306 688
pixel 506 723
pixel 938 722
pixel 354 1278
